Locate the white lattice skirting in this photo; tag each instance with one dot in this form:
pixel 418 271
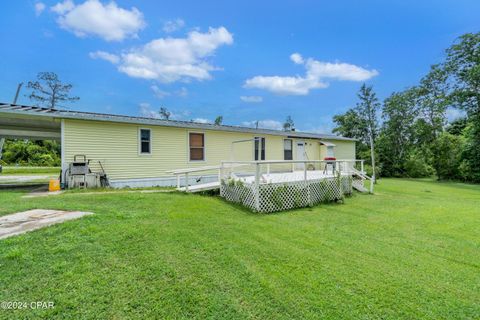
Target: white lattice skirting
pixel 272 197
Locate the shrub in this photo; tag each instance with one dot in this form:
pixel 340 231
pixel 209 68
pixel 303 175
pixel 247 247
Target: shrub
pixel 447 152
pixel 417 166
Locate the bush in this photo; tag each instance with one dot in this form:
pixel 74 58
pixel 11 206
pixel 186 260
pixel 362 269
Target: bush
pixel 417 166
pixel 31 153
pixel 447 152
pixel 470 166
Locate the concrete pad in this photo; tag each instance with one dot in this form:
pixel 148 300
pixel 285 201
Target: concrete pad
pixel 25 178
pixel 36 194
pixel 21 222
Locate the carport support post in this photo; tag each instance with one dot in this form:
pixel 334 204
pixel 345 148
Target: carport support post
pixel 257 186
pixel 2 141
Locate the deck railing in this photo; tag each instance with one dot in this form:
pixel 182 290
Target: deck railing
pixel 311 181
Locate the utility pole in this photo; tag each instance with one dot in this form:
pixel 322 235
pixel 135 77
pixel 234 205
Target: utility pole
pixel 18 91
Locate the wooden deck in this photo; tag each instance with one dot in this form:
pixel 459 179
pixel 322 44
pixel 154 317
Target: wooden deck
pixel 201 187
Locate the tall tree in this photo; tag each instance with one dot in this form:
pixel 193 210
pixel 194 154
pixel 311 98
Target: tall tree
pixel 367 109
pixel 218 120
pixel 49 91
pixel 350 125
pixel 432 95
pixel 164 113
pixel 289 125
pixel 397 133
pixel 463 67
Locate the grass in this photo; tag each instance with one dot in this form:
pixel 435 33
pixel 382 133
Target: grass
pixel 12 170
pixel 412 251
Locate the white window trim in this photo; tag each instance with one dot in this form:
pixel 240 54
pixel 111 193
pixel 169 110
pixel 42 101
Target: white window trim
pixel 140 153
pixel 332 148
pixel 204 146
pixel 260 148
pixel 291 144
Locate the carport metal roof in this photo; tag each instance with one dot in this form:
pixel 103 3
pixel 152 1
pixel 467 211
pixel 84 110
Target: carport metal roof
pixel 21 122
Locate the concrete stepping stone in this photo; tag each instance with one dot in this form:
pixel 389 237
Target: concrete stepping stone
pixel 21 222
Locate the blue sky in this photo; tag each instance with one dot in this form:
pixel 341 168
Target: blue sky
pixel 245 60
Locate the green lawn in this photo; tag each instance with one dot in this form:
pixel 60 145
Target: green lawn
pixel 412 251
pixel 12 170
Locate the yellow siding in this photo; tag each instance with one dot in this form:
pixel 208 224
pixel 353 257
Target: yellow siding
pixel 117 146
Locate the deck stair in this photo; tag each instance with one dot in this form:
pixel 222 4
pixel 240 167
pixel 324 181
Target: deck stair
pixel 200 187
pixel 358 178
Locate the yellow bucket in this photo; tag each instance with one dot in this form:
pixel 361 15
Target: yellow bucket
pixel 54 185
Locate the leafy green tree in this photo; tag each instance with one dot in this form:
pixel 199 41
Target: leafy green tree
pixel 164 113
pixel 367 109
pixel 432 100
pixel 350 125
pixel 361 122
pixel 397 133
pixel 288 125
pixel 463 67
pixel 218 120
pixel 448 151
pixel 31 153
pixel 49 91
pixel 457 126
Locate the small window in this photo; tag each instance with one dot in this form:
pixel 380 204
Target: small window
pixel 259 148
pixel 145 141
pixel 330 151
pixel 287 149
pixel 197 146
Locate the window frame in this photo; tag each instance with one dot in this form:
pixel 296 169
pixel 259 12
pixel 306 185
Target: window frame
pixel 330 148
pixel 291 149
pixel 204 146
pixel 260 139
pixel 140 153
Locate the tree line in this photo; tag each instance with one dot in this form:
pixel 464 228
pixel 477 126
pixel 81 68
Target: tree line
pixel 409 134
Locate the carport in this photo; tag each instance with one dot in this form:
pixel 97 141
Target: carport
pixel 37 124
pixel 24 122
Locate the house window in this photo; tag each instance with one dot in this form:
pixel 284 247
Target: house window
pixel 259 148
pixel 145 141
pixel 197 146
pixel 287 149
pixel 330 152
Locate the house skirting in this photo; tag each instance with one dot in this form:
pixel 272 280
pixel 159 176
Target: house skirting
pixel 170 181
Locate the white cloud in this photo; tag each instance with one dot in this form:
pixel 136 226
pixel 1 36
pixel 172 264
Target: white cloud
pixel 251 99
pixel 201 120
pixel 296 58
pixel 108 21
pixel 105 56
pixel 316 74
pixel 264 124
pixel 176 59
pixel 159 93
pixel 182 92
pixel 39 7
pixel 173 25
pixel 147 111
pixel 63 7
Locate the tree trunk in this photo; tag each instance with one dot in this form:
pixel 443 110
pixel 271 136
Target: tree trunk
pixel 372 155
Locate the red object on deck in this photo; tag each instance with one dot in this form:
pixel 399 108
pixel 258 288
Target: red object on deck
pixel 329 158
